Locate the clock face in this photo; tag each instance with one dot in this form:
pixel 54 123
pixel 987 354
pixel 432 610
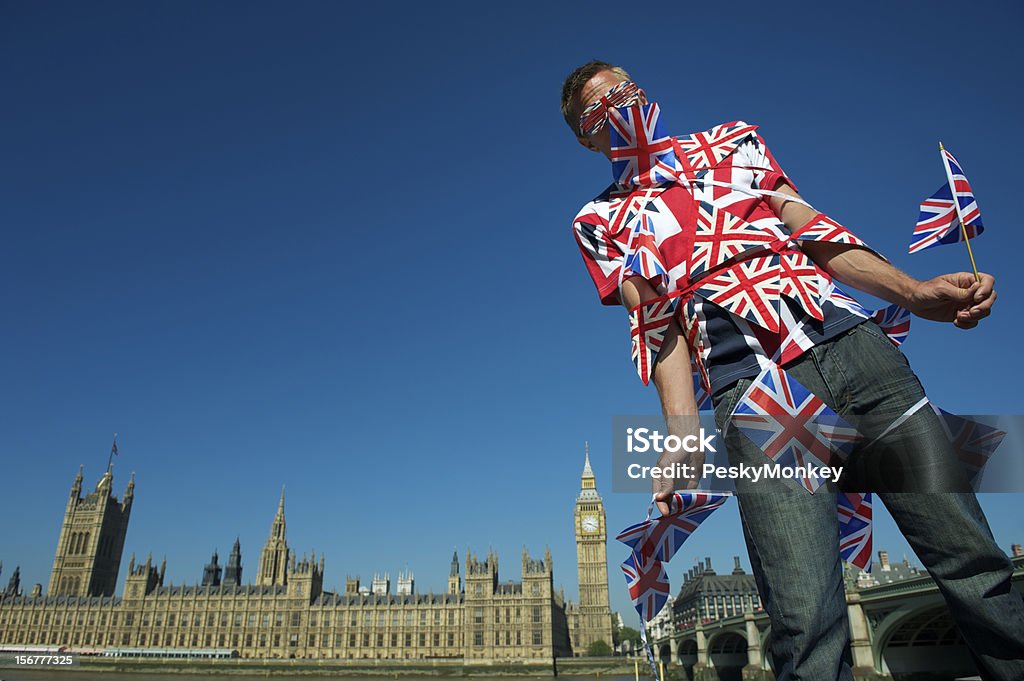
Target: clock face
pixel 589 523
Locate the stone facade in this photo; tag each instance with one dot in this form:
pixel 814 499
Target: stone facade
pixel 287 613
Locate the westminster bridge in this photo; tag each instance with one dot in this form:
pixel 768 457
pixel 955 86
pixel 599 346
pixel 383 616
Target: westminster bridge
pixel 898 628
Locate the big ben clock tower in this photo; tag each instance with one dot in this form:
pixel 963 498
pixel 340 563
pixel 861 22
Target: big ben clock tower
pixel 594 616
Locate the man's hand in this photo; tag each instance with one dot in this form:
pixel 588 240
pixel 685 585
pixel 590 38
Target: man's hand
pixel 956 298
pixel 664 487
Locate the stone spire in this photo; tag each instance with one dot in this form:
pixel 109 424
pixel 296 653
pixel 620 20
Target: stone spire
pixel 233 571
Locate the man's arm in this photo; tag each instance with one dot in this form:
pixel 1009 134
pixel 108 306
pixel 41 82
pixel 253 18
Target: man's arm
pixel 674 381
pixel 955 297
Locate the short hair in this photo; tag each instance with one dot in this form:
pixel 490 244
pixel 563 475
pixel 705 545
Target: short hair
pixel 574 83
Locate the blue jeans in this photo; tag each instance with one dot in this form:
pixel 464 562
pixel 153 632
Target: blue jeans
pixel 791 535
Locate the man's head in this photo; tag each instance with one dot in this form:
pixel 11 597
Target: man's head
pixel 584 86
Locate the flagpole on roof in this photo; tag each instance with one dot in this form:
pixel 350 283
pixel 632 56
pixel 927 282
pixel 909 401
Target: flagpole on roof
pixel 113 451
pixel 960 217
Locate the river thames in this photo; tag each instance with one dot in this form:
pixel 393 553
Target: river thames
pixel 79 674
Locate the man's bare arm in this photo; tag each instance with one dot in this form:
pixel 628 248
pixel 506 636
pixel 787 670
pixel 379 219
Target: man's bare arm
pixel 674 382
pixel 955 297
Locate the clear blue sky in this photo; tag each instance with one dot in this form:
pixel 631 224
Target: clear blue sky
pixel 329 247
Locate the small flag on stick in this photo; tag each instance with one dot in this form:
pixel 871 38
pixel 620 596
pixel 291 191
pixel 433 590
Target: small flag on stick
pixel 951 207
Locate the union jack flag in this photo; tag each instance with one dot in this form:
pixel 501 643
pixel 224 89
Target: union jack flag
pixel 647 327
pixel 823 228
pixel 973 442
pixel 840 298
pixel 792 425
pixel 707 149
pixel 719 236
pixel 648 585
pixel 938 222
pixel 642 152
pixel 625 210
pixel 660 538
pixel 854 511
pixel 800 281
pixel 748 289
pixel 644 258
pixel 894 321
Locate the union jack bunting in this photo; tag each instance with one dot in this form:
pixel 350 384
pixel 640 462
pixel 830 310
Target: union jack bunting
pixel 643 257
pixel 642 152
pixel 647 327
pixel 800 282
pixel 720 236
pixel 648 585
pixel 708 148
pixel 973 442
pixel 625 210
pixel 839 297
pixel 748 289
pixel 689 510
pixel 792 425
pixel 894 321
pixel 823 228
pixel 660 538
pixel 938 222
pixel 854 511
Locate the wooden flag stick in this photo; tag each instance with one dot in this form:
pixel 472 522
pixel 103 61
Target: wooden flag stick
pixel 960 218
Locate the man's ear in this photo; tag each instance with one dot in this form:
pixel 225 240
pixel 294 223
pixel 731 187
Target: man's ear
pixel 588 144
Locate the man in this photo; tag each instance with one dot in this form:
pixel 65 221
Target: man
pixel 659 239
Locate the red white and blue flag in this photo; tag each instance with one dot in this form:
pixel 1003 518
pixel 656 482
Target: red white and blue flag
pixel 894 321
pixel 940 216
pixel 644 258
pixel 660 538
pixel 792 425
pixel 648 584
pixel 854 511
pixel 647 327
pixel 642 152
pixel 655 541
pixel 973 442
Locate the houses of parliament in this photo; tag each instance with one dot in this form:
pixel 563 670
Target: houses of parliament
pixel 284 611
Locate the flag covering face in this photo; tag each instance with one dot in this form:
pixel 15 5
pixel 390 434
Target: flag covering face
pixel 595 116
pixel 792 425
pixel 938 222
pixel 642 152
pixel 854 511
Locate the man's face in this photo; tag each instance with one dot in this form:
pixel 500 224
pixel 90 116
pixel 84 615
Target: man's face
pixel 597 87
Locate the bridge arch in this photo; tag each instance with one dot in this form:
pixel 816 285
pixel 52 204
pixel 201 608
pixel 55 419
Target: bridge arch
pixel 727 652
pixel 687 653
pixel 920 639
